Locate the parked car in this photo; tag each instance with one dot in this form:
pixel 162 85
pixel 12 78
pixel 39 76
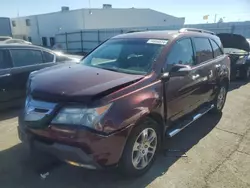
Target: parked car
pixel 3 38
pixel 237 47
pixel 119 104
pixel 16 63
pixel 15 41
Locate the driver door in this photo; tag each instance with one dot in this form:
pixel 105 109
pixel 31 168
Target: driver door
pixel 181 91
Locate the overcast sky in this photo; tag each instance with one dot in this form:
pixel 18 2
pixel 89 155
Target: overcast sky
pixel 193 10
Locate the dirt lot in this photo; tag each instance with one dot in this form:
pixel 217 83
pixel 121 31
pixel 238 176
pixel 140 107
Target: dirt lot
pixel 213 152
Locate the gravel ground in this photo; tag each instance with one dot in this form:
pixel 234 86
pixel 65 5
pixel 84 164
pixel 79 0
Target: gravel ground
pixel 213 152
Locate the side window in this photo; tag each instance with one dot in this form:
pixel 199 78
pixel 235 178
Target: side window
pixel 48 57
pixel 217 50
pixel 5 61
pixel 204 50
pixel 25 57
pixel 181 53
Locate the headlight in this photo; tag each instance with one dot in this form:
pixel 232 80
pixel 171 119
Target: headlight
pixel 81 116
pixel 241 60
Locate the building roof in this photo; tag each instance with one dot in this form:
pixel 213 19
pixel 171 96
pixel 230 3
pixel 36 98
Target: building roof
pixel 95 9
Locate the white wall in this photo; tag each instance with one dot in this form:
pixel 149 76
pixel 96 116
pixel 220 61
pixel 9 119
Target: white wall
pixel 48 25
pixel 22 30
pixel 122 18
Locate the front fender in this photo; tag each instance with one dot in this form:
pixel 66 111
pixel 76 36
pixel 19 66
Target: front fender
pixel 131 107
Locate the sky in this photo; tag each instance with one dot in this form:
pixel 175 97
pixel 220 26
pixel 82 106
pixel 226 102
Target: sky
pixel 192 10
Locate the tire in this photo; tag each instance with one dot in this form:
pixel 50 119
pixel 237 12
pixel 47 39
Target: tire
pixel 245 75
pixel 133 161
pixel 220 98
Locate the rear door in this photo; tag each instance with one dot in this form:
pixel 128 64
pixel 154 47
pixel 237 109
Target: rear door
pixel 204 68
pixel 24 62
pixel 5 75
pixel 219 58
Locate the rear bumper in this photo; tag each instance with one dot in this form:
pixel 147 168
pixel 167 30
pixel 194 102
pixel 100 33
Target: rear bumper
pixel 72 155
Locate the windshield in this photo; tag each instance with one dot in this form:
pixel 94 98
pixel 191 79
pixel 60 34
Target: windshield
pixel 132 56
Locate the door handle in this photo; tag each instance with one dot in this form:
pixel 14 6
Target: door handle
pixel 196 76
pixel 4 75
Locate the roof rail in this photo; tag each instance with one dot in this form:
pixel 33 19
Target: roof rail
pixel 196 30
pixel 135 31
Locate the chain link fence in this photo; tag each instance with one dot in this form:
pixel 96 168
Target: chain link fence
pixel 85 40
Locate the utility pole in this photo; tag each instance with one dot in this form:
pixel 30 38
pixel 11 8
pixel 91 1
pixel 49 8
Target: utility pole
pixel 215 17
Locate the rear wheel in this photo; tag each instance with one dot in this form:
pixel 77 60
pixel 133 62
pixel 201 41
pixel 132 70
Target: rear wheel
pixel 141 148
pixel 220 98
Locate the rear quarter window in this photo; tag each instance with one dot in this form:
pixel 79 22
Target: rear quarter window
pixel 48 57
pixel 216 48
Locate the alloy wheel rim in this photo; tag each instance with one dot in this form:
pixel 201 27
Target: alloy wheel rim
pixel 221 97
pixel 144 148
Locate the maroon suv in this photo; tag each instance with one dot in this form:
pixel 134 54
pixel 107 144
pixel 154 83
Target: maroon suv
pixel 119 103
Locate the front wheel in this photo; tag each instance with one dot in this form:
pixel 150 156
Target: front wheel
pixel 141 148
pixel 220 98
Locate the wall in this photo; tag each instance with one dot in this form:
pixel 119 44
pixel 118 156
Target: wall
pixel 48 25
pixel 5 28
pixel 21 30
pixel 122 18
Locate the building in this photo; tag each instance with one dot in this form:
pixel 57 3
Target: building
pixel 42 29
pixel 5 27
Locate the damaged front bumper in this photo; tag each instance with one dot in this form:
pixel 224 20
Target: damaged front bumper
pixel 69 154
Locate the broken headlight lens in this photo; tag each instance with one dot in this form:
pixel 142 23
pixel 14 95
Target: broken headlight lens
pixel 89 117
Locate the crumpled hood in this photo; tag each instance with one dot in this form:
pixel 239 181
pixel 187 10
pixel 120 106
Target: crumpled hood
pixel 77 83
pixel 229 40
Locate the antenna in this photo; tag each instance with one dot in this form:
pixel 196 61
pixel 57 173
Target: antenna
pixel 90 12
pixel 18 12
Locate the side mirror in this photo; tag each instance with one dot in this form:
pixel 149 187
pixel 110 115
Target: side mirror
pixel 180 70
pixel 177 70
